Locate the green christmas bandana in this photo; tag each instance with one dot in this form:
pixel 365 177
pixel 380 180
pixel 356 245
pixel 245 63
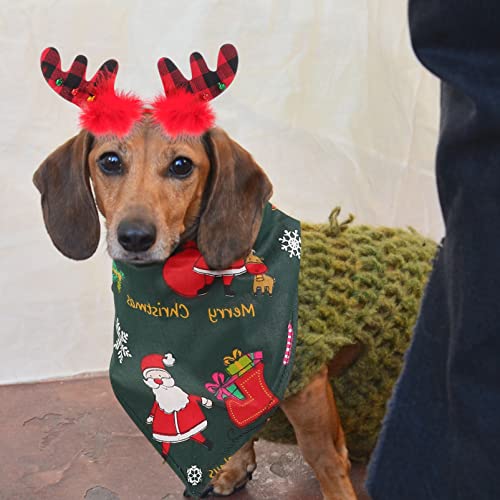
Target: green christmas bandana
pixel 202 357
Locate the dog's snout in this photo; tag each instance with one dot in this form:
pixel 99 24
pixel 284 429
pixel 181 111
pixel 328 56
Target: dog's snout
pixel 136 235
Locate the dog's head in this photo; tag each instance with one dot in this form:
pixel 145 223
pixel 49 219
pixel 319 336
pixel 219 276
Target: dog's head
pixel 154 192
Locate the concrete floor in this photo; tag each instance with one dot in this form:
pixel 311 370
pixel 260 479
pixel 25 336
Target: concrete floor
pixel 70 440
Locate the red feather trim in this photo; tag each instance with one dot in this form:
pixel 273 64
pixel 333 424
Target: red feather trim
pixel 110 112
pixel 183 113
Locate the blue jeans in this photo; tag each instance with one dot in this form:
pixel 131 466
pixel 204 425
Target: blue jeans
pixel 441 435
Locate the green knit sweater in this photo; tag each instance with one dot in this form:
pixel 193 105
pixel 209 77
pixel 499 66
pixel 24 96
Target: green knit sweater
pixel 358 284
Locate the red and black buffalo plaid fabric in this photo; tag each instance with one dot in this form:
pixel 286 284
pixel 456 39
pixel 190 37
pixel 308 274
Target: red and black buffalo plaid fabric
pixel 208 84
pixel 71 85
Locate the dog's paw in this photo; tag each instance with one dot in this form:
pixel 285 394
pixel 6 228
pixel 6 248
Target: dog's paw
pixel 231 478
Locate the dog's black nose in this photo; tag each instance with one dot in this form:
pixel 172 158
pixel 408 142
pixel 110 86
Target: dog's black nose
pixel 135 235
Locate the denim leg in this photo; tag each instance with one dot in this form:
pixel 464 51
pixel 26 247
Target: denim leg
pixel 441 435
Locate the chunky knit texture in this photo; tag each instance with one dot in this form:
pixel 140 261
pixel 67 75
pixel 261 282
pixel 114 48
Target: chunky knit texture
pixel 358 284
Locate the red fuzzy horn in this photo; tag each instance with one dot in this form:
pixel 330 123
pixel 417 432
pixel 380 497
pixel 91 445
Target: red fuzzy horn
pixel 184 109
pixel 103 110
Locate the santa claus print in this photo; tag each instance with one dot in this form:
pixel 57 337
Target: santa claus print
pixel 176 416
pixel 227 275
pixel 188 274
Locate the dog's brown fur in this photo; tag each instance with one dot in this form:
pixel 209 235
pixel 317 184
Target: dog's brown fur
pixel 220 204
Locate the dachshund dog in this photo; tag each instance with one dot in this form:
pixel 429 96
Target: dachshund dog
pixel 156 192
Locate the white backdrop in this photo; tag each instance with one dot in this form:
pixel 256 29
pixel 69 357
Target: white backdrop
pixel 329 99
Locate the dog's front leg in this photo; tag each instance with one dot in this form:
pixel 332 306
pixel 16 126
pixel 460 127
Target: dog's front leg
pixel 316 422
pixel 236 472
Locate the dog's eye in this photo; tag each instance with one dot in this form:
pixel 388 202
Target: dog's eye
pixel 110 164
pixel 181 167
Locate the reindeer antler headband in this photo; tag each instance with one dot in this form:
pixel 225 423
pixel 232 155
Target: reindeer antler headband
pixel 184 109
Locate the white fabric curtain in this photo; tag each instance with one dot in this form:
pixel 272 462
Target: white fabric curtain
pixel 329 99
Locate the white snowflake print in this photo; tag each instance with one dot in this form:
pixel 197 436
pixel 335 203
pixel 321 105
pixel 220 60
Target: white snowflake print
pixel 121 343
pixel 290 243
pixel 194 475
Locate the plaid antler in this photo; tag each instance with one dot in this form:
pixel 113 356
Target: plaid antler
pixel 71 85
pixel 184 109
pixel 104 111
pixel 205 83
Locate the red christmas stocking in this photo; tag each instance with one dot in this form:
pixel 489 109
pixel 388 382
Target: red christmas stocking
pixel 258 398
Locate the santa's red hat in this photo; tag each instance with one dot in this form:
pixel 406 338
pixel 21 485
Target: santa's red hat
pixel 156 362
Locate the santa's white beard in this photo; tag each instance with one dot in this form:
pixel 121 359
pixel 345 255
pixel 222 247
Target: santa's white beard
pixel 170 399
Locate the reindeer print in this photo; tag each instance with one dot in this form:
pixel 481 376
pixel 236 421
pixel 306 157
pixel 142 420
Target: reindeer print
pixel 262 283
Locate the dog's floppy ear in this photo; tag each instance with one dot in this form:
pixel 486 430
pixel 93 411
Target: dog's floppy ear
pixel 68 205
pixel 237 192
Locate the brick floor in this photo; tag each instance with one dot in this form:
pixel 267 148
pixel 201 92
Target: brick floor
pixel 70 439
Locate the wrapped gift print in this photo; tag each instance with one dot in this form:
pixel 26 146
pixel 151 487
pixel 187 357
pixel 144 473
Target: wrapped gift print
pixel 250 397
